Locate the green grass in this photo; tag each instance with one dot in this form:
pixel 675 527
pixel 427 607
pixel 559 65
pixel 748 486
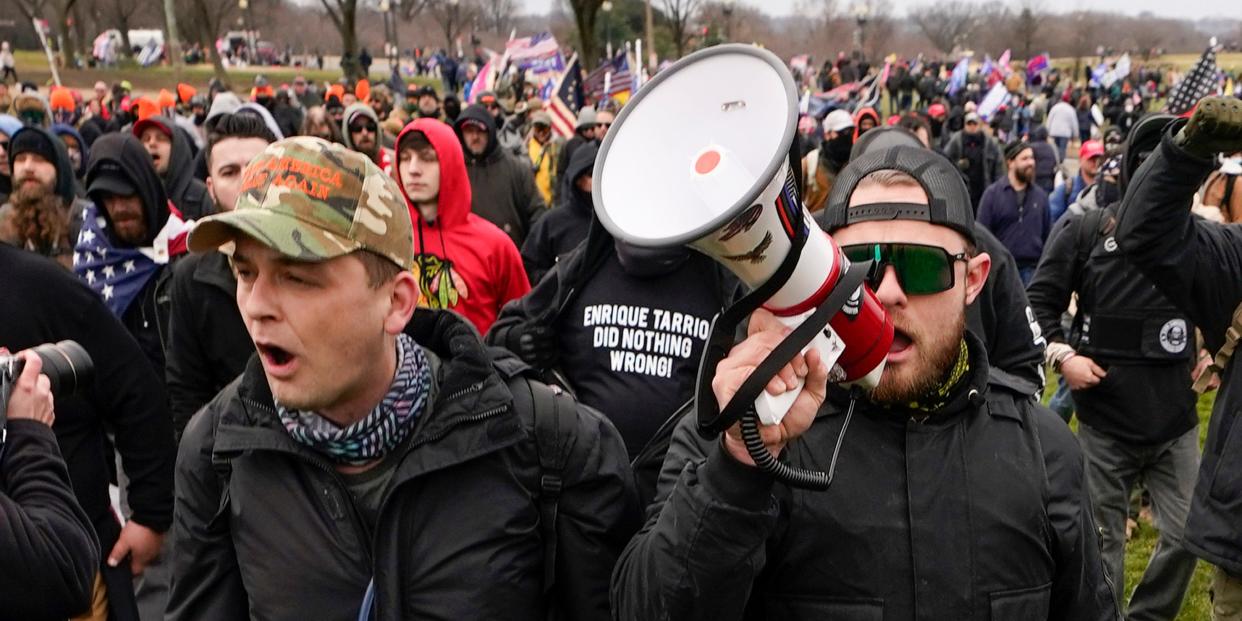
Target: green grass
pixel 32 67
pixel 1196 606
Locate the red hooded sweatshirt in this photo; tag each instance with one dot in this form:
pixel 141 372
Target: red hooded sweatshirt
pixel 464 263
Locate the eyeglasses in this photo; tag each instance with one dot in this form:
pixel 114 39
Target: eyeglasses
pixel 921 270
pixel 604 125
pixel 362 127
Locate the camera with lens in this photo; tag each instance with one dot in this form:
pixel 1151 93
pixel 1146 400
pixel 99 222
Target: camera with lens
pixel 66 364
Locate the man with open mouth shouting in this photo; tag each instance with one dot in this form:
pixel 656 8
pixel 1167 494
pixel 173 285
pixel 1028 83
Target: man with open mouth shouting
pixel 373 458
pixel 955 496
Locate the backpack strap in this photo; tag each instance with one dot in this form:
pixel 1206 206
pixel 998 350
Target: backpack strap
pixel 554 417
pixel 1227 201
pixel 1226 352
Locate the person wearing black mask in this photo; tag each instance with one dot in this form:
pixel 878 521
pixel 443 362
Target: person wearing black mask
pixel 820 167
pixel 1129 358
pixel 562 229
pixel 623 326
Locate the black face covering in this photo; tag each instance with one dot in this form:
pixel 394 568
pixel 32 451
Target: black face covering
pixel 200 118
pixel 837 150
pixel 643 262
pixel 1108 193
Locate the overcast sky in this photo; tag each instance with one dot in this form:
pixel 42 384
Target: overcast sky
pixel 1183 8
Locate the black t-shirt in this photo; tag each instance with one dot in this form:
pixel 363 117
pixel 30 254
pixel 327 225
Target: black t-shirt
pixel 630 347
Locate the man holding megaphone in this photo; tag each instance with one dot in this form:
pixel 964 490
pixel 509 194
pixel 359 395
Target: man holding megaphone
pixel 955 497
pixel 952 496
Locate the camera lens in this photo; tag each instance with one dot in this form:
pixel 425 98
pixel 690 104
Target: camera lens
pixel 67 365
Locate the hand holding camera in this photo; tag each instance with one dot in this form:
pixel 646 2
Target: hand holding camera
pixel 32 393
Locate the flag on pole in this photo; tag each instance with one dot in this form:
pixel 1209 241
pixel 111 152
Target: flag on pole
pixel 992 102
pixel 566 99
pixel 1036 66
pixel 536 54
pixel 871 97
pixel 1199 83
pixel 613 78
pixel 958 80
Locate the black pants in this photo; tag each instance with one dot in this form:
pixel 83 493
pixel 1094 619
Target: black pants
pixel 10 71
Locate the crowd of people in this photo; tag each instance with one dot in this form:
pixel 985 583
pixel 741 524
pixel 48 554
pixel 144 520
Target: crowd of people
pixel 365 351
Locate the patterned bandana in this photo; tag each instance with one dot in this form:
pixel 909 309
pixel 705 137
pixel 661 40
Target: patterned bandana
pixel 383 429
pixel 943 393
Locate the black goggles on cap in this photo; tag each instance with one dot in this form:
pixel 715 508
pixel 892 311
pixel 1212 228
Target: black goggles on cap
pixel 920 269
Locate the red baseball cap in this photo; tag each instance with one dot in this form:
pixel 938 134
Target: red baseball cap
pixel 936 111
pixel 1090 149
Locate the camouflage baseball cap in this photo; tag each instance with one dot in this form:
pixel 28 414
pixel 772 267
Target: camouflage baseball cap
pixel 313 200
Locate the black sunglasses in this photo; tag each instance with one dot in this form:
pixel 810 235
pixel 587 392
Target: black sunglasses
pixel 363 127
pixel 921 269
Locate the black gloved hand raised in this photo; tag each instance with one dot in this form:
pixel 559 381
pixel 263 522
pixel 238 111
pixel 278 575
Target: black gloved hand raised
pixel 535 344
pixel 1215 127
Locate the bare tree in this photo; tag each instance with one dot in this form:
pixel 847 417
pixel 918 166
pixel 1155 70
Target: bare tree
pixel 344 15
pixel 1148 33
pixel 120 14
pixel 946 25
pixel 451 16
pixel 498 15
pixel 1082 41
pixel 1026 27
pixel 679 14
pixel 880 30
pixel 585 12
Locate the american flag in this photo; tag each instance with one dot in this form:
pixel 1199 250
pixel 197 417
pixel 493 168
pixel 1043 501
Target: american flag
pixel 566 99
pixel 1199 83
pixel 621 83
pixel 119 274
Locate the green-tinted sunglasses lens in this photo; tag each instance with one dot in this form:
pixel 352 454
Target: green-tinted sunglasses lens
pixel 922 269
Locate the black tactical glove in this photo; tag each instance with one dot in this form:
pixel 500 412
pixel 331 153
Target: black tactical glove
pixel 1215 127
pixel 535 344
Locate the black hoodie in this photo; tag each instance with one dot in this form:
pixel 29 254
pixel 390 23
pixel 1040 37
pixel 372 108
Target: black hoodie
pixel 503 188
pixel 563 228
pixel 183 189
pixel 124 156
pixel 121 155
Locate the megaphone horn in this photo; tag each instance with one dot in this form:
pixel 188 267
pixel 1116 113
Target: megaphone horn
pixel 700 156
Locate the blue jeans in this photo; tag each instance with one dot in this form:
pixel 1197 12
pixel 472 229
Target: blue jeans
pixel 1062 144
pixel 1062 401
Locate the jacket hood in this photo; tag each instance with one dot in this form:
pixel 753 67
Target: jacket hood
pixel 60 129
pixel 351 113
pixel 582 162
pixel 453 205
pixel 224 103
pixel 268 119
pixel 64 168
pixel 119 154
pixel 180 172
pixel 863 114
pixel 476 112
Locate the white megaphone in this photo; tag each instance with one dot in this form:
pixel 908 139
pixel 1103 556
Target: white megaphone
pixel 699 156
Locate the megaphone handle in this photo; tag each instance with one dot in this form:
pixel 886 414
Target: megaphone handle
pixel 772 408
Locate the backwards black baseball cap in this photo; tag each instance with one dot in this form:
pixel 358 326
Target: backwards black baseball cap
pixel 948 201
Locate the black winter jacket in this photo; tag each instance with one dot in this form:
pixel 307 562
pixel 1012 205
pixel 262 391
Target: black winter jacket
pixel 563 228
pixel 979 513
pixel 48 545
pixel 1198 266
pixel 208 345
pixel 1125 325
pixel 146 318
pixel 43 303
pixel 457 535
pixel 502 187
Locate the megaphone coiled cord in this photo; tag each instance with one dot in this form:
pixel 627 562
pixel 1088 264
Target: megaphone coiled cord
pixel 789 475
